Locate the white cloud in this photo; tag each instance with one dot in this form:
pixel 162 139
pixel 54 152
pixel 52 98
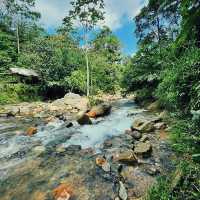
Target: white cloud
pixel 117 11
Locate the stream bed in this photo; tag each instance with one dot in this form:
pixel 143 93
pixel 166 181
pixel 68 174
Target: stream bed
pixel 31 167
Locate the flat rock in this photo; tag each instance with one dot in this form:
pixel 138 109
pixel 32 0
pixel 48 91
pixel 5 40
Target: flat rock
pixel 142 125
pixel 126 157
pixel 143 148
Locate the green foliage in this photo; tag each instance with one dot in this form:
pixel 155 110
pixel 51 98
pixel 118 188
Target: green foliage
pixel 15 93
pixel 180 81
pixel 77 81
pixel 181 184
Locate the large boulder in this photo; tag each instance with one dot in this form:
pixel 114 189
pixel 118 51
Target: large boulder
pixel 71 101
pixel 99 110
pixel 142 125
pixel 76 101
pixel 83 119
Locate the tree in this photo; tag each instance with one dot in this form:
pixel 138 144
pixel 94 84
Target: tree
pixel 108 44
pixel 88 13
pixel 17 14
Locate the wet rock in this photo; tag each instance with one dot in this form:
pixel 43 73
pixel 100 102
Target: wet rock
pixel 88 151
pixel 31 131
pixel 160 125
pixel 100 161
pixel 122 191
pixel 143 148
pixel 64 117
pixel 60 149
pixel 152 170
pixel 13 111
pixel 103 163
pixel 99 110
pixel 142 125
pixel 63 192
pixel 68 124
pixel 107 144
pixel 50 119
pixel 144 138
pixel 83 119
pixel 135 134
pixel 137 182
pixel 126 157
pixel 39 150
pixel 73 149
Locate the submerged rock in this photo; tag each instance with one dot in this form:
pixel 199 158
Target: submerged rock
pixel 102 162
pixel 31 131
pixel 83 119
pixel 62 192
pixel 39 150
pixel 99 110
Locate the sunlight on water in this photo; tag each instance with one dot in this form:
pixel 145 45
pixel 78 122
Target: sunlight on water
pixel 113 125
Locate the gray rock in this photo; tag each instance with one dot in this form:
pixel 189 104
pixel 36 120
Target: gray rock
pixel 135 134
pixel 106 167
pixel 122 191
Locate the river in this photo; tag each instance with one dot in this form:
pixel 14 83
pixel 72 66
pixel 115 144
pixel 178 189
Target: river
pixel 31 167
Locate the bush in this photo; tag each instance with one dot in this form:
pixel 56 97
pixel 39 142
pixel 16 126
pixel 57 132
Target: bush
pixel 181 184
pixel 179 88
pixel 15 93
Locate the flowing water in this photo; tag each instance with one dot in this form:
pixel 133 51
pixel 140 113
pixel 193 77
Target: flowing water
pixel 30 167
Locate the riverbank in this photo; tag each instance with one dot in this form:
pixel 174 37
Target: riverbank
pixel 184 141
pixel 106 160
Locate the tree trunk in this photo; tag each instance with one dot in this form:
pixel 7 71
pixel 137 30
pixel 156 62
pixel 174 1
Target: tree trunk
pixel 88 73
pixel 17 35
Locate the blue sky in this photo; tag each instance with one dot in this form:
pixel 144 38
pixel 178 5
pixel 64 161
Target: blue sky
pixel 119 17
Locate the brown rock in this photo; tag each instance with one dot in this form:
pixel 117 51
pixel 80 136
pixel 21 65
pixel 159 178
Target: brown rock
pixel 100 161
pixel 99 110
pixel 142 125
pixel 83 118
pixel 31 131
pixel 62 192
pixel 126 157
pixel 143 148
